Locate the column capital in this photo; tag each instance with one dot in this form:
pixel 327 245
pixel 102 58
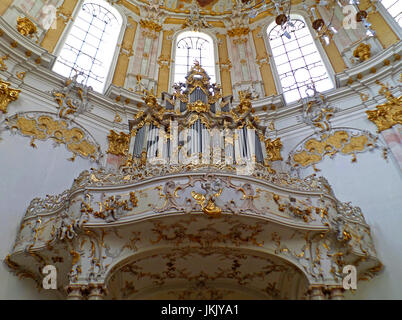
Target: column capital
pixel 96 291
pixel 335 292
pixel 75 291
pixel 316 292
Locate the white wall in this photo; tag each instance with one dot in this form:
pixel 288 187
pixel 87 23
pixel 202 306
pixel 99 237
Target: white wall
pixel 26 173
pixel 375 185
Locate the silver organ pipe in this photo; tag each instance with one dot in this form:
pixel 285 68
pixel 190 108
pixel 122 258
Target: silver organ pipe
pixel 218 133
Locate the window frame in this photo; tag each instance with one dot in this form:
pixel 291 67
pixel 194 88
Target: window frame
pixel 67 29
pixel 268 26
pixel 173 55
pixel 389 19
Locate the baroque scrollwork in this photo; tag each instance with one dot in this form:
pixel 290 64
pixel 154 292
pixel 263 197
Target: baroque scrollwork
pixel 195 22
pixel 143 226
pixel 112 208
pixel 118 143
pixel 7 95
pixel 26 27
pixel 273 149
pixel 332 230
pixel 317 112
pixel 43 126
pixel 363 52
pixel 388 114
pixel 207 201
pixel 72 99
pixel 346 141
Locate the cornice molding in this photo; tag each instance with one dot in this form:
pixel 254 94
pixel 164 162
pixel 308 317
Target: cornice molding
pixel 376 62
pixel 25 44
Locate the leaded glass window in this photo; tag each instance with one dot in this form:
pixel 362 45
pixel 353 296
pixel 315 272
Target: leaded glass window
pixel 297 60
pixel 191 47
pixel 90 45
pixel 394 8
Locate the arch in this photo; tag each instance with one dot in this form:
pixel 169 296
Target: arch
pixel 236 256
pixel 90 45
pixel 193 41
pixel 298 59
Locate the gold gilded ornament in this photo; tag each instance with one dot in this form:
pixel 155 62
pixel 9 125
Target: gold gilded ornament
pixel 207 201
pixel 118 143
pixel 3 66
pixel 245 103
pixel 151 25
pixel 238 31
pixel 198 107
pixel 45 127
pixel 26 27
pixel 21 75
pixel 362 52
pixel 329 144
pixel 133 199
pixel 388 114
pixel 117 118
pixel 273 149
pixel 7 95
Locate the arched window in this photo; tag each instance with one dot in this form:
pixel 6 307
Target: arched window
pixel 297 60
pixel 90 45
pixel 394 8
pixel 190 47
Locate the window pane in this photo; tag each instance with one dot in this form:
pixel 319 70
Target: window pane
pixel 191 47
pixel 294 54
pixel 301 64
pixel 394 8
pixel 279 60
pixel 90 45
pixel 283 68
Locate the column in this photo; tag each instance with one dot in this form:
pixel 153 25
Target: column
pixel 96 292
pixel 316 292
pixel 336 293
pixel 74 292
pixel 52 36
